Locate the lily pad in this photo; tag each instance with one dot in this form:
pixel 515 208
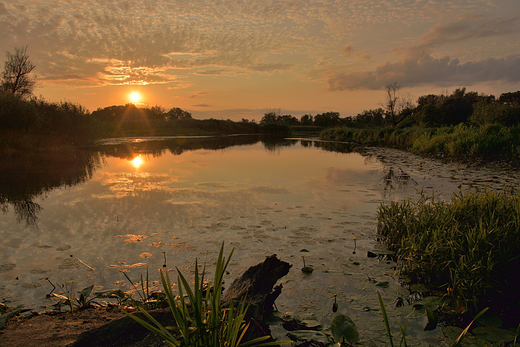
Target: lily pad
pixel 452 334
pixel 307 269
pixel 69 263
pixel 490 320
pixel 7 267
pixel 494 335
pixel 31 285
pixel 420 288
pixel 308 335
pixel 344 329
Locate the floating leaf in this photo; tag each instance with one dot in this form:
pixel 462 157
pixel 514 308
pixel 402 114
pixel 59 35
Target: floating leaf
pixel 7 267
pixel 494 335
pixel 307 269
pixel 490 320
pixel 420 288
pixel 432 319
pixel 308 335
pixel 382 284
pixel 343 328
pixel 452 334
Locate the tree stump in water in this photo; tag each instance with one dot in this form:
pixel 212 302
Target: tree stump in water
pixel 256 287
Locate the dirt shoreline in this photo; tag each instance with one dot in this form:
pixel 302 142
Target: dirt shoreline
pixel 54 329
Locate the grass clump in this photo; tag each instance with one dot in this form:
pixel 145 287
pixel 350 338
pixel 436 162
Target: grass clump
pixel 469 246
pixel 200 321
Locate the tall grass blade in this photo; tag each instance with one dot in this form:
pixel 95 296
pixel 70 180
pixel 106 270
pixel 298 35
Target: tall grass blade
pixel 385 317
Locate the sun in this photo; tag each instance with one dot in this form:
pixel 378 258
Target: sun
pixel 135 97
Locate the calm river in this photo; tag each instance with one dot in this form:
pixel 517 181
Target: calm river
pixel 83 217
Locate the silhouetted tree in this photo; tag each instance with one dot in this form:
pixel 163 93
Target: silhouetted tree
pixel 395 104
pixel 177 113
pixel 157 112
pixel 288 120
pixel 327 119
pixel 369 118
pixel 307 119
pixel 16 77
pixel 270 117
pixel 510 98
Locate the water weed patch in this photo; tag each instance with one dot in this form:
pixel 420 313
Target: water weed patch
pixel 467 247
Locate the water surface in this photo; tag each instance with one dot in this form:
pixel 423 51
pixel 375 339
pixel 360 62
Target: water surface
pixel 131 203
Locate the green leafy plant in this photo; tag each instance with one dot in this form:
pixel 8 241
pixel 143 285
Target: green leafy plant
pixel 200 321
pixel 306 269
pixel 344 330
pixel 68 297
pixel 147 298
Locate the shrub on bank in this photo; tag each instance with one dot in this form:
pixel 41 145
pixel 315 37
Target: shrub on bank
pixel 468 247
pixel 35 123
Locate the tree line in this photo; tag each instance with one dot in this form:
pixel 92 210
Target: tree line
pixel 398 111
pixel 25 119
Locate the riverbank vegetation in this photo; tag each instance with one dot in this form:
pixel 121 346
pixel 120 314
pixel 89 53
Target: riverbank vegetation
pixel 463 125
pixel 467 249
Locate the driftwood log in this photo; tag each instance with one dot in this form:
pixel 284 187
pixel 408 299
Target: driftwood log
pixel 255 286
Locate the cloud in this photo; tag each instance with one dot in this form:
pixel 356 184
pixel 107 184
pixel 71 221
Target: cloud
pixel 212 72
pixel 349 51
pixel 418 65
pixel 270 67
pixel 201 105
pixel 193 96
pixel 423 69
pixel 470 28
pixel 3 9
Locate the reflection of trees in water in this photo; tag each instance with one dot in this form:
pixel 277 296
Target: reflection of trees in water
pixel 176 146
pixel 340 147
pixel 397 179
pixel 26 176
pixel 274 144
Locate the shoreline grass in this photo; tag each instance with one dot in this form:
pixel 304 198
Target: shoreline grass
pixel 487 143
pixel 468 247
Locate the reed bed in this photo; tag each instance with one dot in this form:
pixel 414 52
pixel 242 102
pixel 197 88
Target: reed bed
pixel 490 141
pixel 468 247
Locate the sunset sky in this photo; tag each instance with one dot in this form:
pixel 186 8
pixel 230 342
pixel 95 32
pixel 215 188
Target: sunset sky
pixel 238 59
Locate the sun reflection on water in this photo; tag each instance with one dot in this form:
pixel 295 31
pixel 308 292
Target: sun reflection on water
pixel 137 162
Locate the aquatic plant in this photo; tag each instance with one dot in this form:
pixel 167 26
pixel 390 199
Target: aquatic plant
pixel 306 269
pixel 488 141
pixel 343 329
pixel 147 299
pixel 200 321
pixel 469 247
pixel 68 296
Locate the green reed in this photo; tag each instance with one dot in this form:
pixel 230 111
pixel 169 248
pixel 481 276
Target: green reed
pixel 468 246
pixel 200 321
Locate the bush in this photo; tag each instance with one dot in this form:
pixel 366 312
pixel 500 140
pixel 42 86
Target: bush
pixel 496 113
pixel 468 247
